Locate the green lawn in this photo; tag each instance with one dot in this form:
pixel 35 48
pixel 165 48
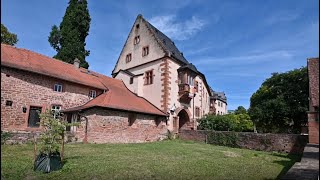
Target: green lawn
pixel 159 160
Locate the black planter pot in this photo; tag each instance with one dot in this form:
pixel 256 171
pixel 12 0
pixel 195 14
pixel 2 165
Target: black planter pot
pixel 47 162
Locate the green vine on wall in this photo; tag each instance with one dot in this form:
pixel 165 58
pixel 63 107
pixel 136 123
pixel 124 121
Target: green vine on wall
pixel 223 138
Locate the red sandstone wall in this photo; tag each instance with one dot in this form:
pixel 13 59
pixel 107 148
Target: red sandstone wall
pixel 25 89
pixel 313 127
pixel 289 143
pixel 111 126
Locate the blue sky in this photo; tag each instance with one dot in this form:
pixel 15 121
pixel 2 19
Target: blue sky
pixel 236 44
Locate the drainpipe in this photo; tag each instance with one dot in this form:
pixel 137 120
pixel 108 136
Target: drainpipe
pixel 194 95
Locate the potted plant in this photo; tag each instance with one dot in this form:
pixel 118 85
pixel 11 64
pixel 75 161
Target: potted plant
pixel 51 142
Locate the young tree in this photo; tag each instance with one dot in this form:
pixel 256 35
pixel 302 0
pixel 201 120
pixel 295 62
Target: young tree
pixel 69 39
pixel 280 104
pixel 8 37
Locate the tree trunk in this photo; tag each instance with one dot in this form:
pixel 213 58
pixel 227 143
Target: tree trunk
pixel 62 147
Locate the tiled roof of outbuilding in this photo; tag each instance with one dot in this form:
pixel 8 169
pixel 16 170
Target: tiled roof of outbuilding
pixel 117 96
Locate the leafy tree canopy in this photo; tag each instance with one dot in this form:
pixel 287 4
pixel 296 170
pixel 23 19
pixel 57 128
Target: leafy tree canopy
pixel 69 39
pixel 240 110
pixel 8 37
pixel 280 104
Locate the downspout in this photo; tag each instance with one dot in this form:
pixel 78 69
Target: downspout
pixel 194 95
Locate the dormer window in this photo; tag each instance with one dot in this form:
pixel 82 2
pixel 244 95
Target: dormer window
pixel 145 50
pixel 128 58
pixel 136 40
pixel 92 93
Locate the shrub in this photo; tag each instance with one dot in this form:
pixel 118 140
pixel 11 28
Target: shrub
pixel 229 122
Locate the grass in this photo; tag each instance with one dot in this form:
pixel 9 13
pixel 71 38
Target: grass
pixel 174 159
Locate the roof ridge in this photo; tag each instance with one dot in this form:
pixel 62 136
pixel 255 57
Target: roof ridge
pixel 27 50
pixel 57 60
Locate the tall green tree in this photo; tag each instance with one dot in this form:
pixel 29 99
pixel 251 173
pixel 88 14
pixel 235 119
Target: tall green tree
pixel 240 110
pixel 69 39
pixel 280 104
pixel 8 37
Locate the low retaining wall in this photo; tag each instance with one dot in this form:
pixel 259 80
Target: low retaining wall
pixel 288 143
pixel 22 137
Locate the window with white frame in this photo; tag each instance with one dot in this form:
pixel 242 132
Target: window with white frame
pixel 92 93
pixel 56 111
pixel 57 88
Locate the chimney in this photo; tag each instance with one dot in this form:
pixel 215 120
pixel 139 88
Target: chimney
pixel 76 63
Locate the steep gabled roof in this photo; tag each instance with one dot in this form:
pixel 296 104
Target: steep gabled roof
pixel 167 46
pixel 166 43
pixel 117 95
pixel 313 73
pixel 218 95
pixel 189 66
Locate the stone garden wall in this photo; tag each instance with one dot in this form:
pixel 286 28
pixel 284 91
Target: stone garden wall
pixel 288 143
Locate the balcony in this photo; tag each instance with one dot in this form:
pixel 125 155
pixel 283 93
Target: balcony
pixel 185 93
pixel 184 88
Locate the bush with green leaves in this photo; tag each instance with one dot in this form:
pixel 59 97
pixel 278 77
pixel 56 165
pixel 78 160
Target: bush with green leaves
pixel 228 122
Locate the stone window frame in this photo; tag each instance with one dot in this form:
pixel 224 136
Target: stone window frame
pixel 196 86
pixel 136 40
pixel 91 94
pixel 128 57
pixel 145 51
pixel 58 87
pixel 27 116
pixel 197 111
pixel 148 78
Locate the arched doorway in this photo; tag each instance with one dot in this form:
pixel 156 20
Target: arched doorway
pixel 183 118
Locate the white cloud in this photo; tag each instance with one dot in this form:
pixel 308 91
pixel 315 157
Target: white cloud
pixel 280 17
pixel 245 59
pixel 178 30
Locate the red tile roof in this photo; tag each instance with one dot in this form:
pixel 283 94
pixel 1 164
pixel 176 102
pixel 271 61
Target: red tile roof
pixel 117 95
pixel 313 73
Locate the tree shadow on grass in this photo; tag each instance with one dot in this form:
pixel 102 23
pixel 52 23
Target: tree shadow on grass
pixel 287 164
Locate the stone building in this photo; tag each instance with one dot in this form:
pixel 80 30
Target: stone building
pixel 313 113
pixel 152 67
pixel 218 103
pixel 106 109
